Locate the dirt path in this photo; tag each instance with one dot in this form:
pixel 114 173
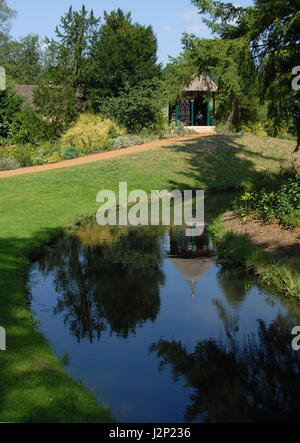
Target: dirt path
pixel 272 238
pixel 100 156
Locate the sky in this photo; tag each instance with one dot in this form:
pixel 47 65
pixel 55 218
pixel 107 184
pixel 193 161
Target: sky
pixel 169 18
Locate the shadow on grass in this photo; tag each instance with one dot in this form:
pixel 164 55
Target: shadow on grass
pixel 34 386
pixel 214 163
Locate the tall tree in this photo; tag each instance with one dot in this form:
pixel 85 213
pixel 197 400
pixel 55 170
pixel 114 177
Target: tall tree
pixel 273 28
pixel 123 53
pixel 23 59
pixel 68 54
pixel 6 14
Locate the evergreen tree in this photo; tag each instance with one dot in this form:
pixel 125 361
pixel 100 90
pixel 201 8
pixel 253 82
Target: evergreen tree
pixel 123 54
pixel 67 56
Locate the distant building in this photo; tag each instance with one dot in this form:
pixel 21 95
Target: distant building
pixel 27 92
pixel 197 108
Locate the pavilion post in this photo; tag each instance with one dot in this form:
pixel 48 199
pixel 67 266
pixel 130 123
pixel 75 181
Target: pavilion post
pixel 208 116
pixel 192 112
pixel 214 112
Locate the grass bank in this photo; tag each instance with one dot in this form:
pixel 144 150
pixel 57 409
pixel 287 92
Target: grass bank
pixel 282 274
pixel 34 386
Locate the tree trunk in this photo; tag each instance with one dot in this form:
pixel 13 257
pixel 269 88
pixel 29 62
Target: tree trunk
pixel 298 140
pixel 231 115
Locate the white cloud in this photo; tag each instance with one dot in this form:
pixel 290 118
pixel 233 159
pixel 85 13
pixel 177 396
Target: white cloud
pixel 188 15
pixel 167 28
pixel 196 28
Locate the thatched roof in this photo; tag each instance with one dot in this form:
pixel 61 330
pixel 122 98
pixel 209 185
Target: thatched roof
pixel 202 83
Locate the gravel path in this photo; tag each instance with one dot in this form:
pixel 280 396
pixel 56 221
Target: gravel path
pixel 100 156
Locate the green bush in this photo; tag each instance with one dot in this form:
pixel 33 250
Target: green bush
pixel 29 127
pixel 7 164
pixel 54 158
pixel 136 108
pixel 38 160
pixel 10 105
pixel 23 154
pixel 57 106
pixel 69 153
pixel 292 220
pixel 282 204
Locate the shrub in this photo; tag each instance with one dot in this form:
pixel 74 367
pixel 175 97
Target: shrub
pixel 292 220
pixel 137 108
pixel 56 105
pixel 54 158
pixel 23 154
pixel 10 105
pixel 90 131
pixel 69 153
pixel 282 204
pixel 255 129
pixel 29 127
pixel 7 164
pixel 38 160
pixel 125 142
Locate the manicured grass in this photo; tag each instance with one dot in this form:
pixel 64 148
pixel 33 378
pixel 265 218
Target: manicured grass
pixel 282 274
pixel 33 208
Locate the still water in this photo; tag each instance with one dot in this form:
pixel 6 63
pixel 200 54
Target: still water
pixel 162 333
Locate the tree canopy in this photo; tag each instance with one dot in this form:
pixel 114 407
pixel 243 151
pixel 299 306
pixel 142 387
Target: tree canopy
pixel 123 54
pixel 68 53
pixel 273 30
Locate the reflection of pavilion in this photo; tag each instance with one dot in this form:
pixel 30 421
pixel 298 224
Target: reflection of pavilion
pixel 192 269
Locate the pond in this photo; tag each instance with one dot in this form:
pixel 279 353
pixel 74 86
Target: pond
pixel 162 333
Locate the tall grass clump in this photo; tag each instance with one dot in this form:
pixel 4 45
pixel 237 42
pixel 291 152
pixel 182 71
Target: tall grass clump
pixel 91 132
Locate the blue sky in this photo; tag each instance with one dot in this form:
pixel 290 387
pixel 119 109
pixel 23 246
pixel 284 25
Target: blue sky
pixel 169 18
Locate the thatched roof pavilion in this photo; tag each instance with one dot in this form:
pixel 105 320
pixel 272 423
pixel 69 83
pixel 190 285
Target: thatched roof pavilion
pixel 202 83
pixel 197 108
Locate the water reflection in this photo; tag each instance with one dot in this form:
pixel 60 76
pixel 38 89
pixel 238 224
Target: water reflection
pixel 254 382
pixel 223 345
pixel 114 284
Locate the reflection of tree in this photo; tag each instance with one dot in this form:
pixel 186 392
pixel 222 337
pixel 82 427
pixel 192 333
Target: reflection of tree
pixel 258 381
pixel 235 283
pixel 115 284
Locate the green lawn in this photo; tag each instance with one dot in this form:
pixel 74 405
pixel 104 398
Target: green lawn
pixel 33 383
